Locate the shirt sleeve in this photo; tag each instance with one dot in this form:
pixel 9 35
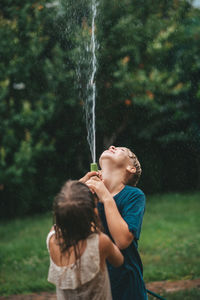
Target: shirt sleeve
pixel 133 212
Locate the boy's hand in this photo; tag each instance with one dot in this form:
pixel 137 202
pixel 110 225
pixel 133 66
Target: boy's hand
pixel 97 185
pixel 88 176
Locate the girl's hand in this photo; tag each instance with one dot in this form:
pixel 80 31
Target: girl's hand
pixel 97 185
pixel 88 176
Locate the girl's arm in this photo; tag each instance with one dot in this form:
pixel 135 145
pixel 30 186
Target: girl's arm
pixel 109 251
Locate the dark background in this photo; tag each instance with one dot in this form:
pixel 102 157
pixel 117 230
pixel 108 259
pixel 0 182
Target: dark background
pixel 148 94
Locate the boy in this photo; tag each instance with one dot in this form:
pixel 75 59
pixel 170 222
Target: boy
pixel 121 208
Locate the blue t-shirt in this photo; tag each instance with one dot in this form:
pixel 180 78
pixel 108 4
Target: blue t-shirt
pixel 127 281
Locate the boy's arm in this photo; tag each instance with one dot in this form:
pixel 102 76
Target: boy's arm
pixel 88 176
pixel 117 226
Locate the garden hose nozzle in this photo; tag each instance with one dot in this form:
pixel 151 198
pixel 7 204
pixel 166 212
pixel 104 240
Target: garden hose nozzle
pixel 94 167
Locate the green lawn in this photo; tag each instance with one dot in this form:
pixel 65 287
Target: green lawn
pixel 193 294
pixel 170 239
pixel 23 255
pixel 169 246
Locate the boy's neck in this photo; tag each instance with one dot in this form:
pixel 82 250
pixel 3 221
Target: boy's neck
pixel 113 179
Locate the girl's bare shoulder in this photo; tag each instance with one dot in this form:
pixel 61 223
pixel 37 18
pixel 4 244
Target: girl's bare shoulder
pixel 104 242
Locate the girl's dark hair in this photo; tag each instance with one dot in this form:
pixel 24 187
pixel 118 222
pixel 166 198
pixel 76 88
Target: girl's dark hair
pixel 74 215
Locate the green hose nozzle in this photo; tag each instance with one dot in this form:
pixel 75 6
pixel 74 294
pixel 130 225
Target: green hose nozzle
pixel 94 167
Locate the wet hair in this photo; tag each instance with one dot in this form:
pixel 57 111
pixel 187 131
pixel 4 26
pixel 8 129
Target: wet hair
pixel 74 216
pixel 134 178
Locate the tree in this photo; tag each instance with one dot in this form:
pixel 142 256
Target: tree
pixel 148 94
pixel 33 97
pixel 150 66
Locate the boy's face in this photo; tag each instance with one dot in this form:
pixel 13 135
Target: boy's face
pixel 119 156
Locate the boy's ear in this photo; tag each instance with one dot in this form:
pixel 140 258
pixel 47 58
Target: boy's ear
pixel 131 169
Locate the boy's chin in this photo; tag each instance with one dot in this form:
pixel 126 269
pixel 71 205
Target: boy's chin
pixel 105 155
pixel 109 160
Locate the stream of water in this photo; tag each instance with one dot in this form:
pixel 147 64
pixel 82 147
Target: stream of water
pixel 91 88
pixel 79 19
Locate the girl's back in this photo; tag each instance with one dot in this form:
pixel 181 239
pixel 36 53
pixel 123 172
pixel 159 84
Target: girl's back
pixel 90 281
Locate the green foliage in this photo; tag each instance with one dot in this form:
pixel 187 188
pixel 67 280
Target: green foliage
pixel 37 103
pixel 150 66
pixel 148 94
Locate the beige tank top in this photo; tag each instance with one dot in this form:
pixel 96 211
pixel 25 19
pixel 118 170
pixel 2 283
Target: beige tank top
pixel 90 284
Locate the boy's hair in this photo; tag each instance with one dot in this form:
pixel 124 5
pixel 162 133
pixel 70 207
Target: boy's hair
pixel 134 179
pixel 74 216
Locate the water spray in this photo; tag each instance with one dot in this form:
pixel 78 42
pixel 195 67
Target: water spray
pixel 91 88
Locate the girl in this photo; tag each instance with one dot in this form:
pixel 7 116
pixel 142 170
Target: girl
pixel 77 249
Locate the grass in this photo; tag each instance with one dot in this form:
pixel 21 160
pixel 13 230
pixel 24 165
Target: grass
pixel 170 240
pixel 169 246
pixel 193 294
pixel 23 256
